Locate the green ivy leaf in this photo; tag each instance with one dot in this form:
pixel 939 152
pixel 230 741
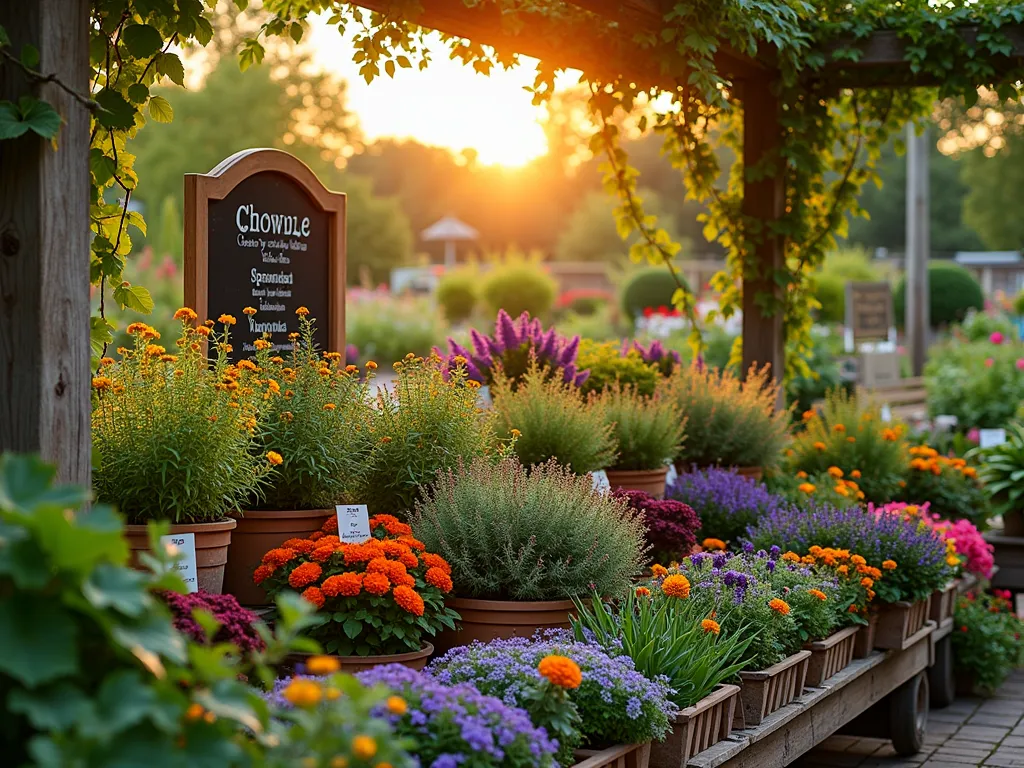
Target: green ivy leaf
pixel 54 708
pixel 111 586
pixel 352 628
pixel 138 93
pixel 37 639
pixel 134 297
pixel 123 700
pixel 115 111
pixel 160 109
pixel 29 114
pixel 30 56
pixel 170 65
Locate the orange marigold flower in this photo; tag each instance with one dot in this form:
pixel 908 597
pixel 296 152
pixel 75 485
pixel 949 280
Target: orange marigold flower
pixel 249 311
pixel 801 475
pixel 274 458
pixel 643 592
pixel 779 606
pixel 889 565
pixel 858 560
pixel 843 569
pixel 348 584
pixel 676 585
pixel 807 488
pixel 413 543
pixel 278 557
pixel 438 578
pixel 371 365
pixel 261 344
pixel 855 474
pixel 227 319
pixel 659 570
pixel 836 472
pixel 330 524
pixel 304 575
pixel 839 428
pixel 867 583
pixel 791 557
pixel 301 311
pixel 203 331
pixel 134 328
pixel 186 314
pixel 817 593
pixel 409 599
pixel 323 553
pixel 851 439
pixel 314 595
pixel 808 415
pixel 436 561
pixel 819 446
pixel 713 544
pixel 102 382
pixel 561 671
pixel 262 573
pixel 300 545
pixel 376 583
pixel 710 625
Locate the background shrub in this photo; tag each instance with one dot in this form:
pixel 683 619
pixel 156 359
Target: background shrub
pixel 457 294
pixel 651 287
pixel 608 366
pixel 979 383
pixel 952 291
pixel 519 285
pixel 385 328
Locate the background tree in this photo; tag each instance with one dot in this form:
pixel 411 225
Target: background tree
pixel 996 184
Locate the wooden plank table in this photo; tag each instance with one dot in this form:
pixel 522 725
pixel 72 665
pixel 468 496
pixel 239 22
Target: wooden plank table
pixel 820 712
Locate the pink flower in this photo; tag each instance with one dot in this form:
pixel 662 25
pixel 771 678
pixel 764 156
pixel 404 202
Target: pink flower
pixel 989 362
pixel 1020 363
pixel 974 435
pixel 996 337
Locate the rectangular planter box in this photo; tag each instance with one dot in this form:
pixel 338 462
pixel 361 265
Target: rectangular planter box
pixel 897 622
pixel 943 601
pixel 771 689
pixel 864 643
pixel 830 655
pixel 622 756
pixel 696 728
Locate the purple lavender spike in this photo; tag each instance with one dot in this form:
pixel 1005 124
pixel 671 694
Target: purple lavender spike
pixel 571 349
pixel 480 342
pixel 582 376
pixel 569 373
pixel 506 333
pixel 546 348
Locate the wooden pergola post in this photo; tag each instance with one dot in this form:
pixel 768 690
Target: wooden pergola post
pixel 763 199
pixel 44 247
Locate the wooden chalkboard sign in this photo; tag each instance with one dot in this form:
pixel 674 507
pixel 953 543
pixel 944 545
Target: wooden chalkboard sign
pixel 262 231
pixel 869 312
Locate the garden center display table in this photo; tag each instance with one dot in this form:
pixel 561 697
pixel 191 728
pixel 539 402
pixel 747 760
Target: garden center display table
pixel 893 679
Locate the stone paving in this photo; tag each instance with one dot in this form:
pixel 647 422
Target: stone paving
pixel 970 732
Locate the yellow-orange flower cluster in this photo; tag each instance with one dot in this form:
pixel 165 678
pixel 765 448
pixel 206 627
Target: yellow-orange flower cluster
pixel 561 671
pixel 713 544
pixel 779 606
pixel 710 625
pixel 676 585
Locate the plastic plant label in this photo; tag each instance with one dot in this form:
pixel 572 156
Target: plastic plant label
pixel 601 484
pixel 353 523
pixel 672 475
pixel 989 438
pixel 886 413
pixel 183 545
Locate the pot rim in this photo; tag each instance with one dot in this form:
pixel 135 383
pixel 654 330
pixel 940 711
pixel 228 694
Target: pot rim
pixel 644 472
pixel 426 650
pixel 510 606
pixel 257 514
pixel 215 527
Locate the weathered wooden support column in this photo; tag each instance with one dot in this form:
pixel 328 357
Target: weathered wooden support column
pixel 44 246
pixel 763 199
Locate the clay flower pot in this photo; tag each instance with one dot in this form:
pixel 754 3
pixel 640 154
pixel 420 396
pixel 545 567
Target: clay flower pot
pixel 212 540
pixel 651 481
pixel 258 532
pixel 350 665
pixel 487 620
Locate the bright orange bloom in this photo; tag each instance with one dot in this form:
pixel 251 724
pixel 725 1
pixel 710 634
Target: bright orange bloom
pixel 779 606
pixel 808 415
pixel 438 578
pixel 304 575
pixel 855 474
pixel 409 599
pixel 843 569
pixel 676 585
pixel 807 488
pixel 836 472
pixel 817 593
pixel 262 573
pixel 889 565
pixel 643 592
pixel 413 543
pixel 330 524
pixel 867 583
pixel 300 545
pixel 274 458
pixel 819 446
pixel 314 595
pixel 791 557
pixel 561 671
pixel 348 584
pixel 710 625
pixel 323 553
pixel 858 560
pixel 436 561
pixel 227 319
pixel 278 557
pixel 659 570
pixel 185 314
pixel 839 428
pixel 713 544
pixel 301 311
pixel 376 583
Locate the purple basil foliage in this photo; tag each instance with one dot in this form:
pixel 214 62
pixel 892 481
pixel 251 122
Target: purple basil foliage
pixel 726 501
pixel 511 346
pixel 654 353
pixel 671 525
pixel 236 623
pixel 451 725
pixel 617 704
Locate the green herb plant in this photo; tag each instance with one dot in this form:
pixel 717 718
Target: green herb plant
pixel 648 431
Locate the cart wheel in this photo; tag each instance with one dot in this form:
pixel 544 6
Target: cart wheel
pixel 908 715
pixel 941 681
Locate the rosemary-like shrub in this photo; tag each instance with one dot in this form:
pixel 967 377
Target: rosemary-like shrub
pixel 648 430
pixel 318 424
pixel 541 534
pixel 173 433
pixel 550 420
pixel 728 422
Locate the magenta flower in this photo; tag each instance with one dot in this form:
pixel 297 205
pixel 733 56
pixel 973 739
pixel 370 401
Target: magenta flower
pixel 996 337
pixel 1020 363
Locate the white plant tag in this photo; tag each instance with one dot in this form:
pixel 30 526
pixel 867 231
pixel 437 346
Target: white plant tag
pixel 990 438
pixel 601 484
pixel 353 523
pixel 183 545
pixel 672 475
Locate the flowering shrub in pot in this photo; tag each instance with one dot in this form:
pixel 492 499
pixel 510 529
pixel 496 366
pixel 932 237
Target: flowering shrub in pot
pixel 671 525
pixel 383 597
pixel 648 431
pixel 315 425
pixel 986 641
pixel 975 553
pixel 833 487
pixel 980 383
pixel 617 704
pixel 175 437
pixel 236 625
pixel 608 365
pixel 522 543
pixel 544 419
pixel 950 485
pixel 725 501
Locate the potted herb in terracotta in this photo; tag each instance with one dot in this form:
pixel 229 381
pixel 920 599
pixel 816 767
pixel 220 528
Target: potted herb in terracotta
pixel 316 424
pixel 174 438
pixel 523 543
pixel 649 431
pixel 378 601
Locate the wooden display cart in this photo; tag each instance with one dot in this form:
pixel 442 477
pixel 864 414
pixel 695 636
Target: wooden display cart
pixel 885 694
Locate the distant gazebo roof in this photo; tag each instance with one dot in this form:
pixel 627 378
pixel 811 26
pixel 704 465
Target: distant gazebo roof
pixel 449 229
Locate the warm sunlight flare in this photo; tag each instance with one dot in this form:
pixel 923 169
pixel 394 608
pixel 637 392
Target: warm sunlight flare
pixel 446 105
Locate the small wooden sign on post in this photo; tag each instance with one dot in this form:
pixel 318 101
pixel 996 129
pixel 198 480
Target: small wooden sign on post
pixel 261 231
pixel 869 312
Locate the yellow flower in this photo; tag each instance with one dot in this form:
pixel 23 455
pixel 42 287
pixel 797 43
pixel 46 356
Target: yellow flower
pixel 952 561
pixel 154 350
pixel 249 311
pixel 676 585
pixel 261 344
pixel 807 488
pixel 339 762
pixel 106 361
pixel 332 693
pixel 101 383
pixel 274 458
pixel 397 705
pixel 293 336
pixel 305 693
pixel 516 433
pixel 322 665
pixel 459 360
pixel 364 747
pixel 227 319
pixel 301 311
pixel 185 314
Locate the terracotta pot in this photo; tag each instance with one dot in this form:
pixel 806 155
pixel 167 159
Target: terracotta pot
pixel 830 655
pixel 622 756
pixel 257 533
pixel 697 728
pixel 212 540
pixel 898 622
pixel 769 690
pixel 350 665
pixel 651 481
pixel 865 641
pixel 487 620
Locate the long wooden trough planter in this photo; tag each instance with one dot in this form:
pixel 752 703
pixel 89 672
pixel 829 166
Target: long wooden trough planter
pixel 621 756
pixel 898 622
pixel 696 728
pixel 943 601
pixel 831 655
pixel 864 641
pixel 771 689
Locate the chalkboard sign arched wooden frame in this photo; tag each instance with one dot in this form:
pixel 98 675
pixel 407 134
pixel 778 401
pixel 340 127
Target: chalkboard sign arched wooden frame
pixel 297 258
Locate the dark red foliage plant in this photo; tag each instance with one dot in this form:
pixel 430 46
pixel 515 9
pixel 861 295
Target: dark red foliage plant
pixel 671 525
pixel 236 623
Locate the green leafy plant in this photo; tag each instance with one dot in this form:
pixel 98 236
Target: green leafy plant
pixel 648 288
pixel 979 326
pixel 519 284
pixel 1018 304
pixel 986 638
pixel 979 383
pixel 1001 470
pixel 549 420
pixel 458 294
pixel 541 534
pixel 664 637
pixel 608 366
pixel 385 329
pixel 729 422
pixel 952 292
pixel 648 431
pixel 174 435
pixel 315 425
pixel 422 424
pixel 950 485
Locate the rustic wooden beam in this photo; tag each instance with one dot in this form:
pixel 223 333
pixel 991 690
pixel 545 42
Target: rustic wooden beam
pixel 44 247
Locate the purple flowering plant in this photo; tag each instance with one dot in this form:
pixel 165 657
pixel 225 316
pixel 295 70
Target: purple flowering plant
pixel 671 525
pixel 617 704
pixel 511 348
pixel 235 624
pixel 911 555
pixel 726 501
pixel 655 353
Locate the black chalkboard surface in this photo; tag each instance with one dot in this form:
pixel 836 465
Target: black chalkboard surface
pixel 269 248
